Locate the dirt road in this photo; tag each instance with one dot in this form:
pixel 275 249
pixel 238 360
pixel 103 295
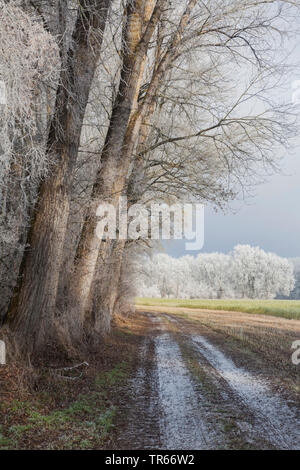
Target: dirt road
pixel 191 392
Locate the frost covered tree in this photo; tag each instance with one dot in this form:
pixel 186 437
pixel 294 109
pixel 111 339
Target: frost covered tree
pixel 187 131
pixel 261 275
pixel 247 272
pixel 29 69
pixel 214 270
pixel 32 309
pixel 144 104
pixel 295 294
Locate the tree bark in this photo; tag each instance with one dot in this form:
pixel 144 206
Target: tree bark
pixel 105 286
pixel 31 312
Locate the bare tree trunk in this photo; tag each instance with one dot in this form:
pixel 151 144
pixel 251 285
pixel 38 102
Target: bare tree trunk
pixel 31 312
pixel 105 286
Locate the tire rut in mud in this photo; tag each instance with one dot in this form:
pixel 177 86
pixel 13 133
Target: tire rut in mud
pixel 138 426
pixel 182 418
pixel 164 410
pixel 221 406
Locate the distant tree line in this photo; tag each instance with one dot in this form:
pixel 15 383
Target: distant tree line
pixel 295 293
pixel 245 273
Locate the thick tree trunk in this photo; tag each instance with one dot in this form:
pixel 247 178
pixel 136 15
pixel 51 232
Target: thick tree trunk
pixel 31 312
pixel 105 286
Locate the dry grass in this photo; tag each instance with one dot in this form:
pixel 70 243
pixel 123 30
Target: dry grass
pixel 277 308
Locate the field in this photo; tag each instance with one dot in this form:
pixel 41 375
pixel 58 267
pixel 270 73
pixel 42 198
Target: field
pixel 289 309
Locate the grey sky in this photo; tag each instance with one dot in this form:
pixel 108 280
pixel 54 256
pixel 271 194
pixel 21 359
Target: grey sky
pixel 270 219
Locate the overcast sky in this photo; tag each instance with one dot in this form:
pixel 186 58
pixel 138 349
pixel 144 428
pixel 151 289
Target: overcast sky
pixel 270 219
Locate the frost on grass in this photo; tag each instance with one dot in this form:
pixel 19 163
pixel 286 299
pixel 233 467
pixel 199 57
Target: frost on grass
pixel 183 423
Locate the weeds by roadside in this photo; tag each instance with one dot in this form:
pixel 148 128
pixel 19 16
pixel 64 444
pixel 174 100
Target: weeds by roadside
pixel 70 414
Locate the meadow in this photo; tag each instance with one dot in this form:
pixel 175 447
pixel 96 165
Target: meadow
pixel 289 309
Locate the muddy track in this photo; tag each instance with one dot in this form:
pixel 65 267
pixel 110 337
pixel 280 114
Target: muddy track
pixel 188 394
pixel 266 417
pixel 139 421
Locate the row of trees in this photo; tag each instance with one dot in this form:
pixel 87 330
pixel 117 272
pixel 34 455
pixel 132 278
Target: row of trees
pixel 122 97
pixel 247 272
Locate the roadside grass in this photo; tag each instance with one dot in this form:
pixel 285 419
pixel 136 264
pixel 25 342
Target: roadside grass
pixel 71 414
pixel 289 309
pixel 84 424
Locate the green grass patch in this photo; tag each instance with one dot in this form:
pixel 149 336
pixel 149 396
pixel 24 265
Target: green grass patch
pixel 289 309
pixel 117 375
pixel 84 423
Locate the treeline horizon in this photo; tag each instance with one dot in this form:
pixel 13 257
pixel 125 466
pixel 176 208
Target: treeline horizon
pixel 244 273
